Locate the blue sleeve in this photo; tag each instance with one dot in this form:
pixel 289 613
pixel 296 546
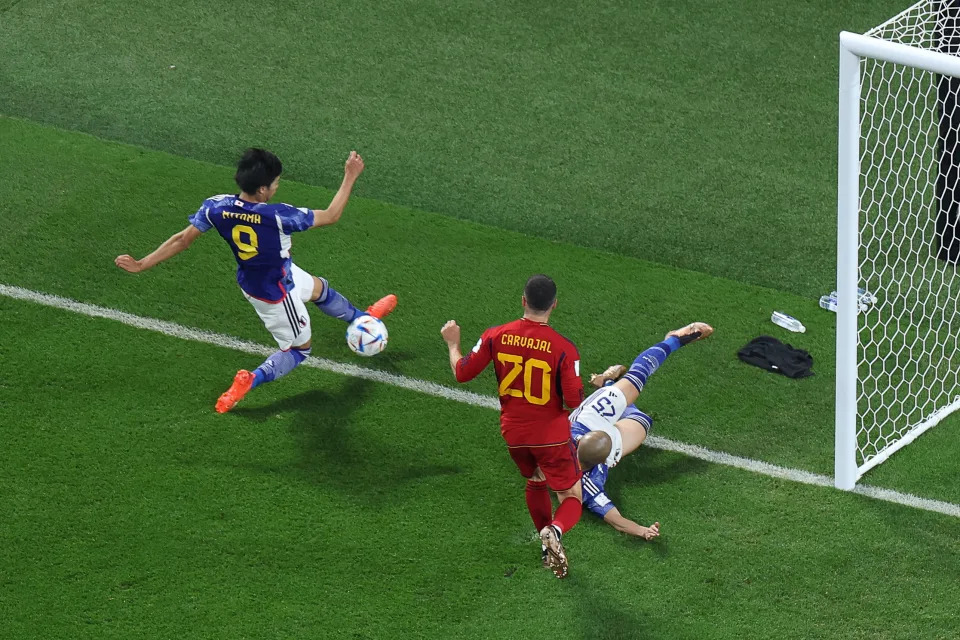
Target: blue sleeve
pixel 594 498
pixel 201 219
pixel 293 219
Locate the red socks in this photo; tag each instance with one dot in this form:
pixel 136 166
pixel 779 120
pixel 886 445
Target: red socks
pixel 539 505
pixel 568 514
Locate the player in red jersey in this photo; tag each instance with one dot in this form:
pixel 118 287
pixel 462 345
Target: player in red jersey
pixel 538 372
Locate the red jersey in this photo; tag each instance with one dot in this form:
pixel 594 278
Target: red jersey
pixel 538 371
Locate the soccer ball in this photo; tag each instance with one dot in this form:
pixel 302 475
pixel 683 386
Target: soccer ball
pixel 367 336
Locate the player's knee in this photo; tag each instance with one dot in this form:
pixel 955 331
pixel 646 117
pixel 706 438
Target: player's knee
pixel 645 421
pixel 573 492
pixel 303 348
pixel 537 476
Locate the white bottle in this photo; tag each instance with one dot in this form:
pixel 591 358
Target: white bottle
pixel 787 322
pixel 864 300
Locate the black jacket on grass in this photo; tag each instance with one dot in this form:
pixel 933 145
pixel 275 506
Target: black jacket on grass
pixel 771 354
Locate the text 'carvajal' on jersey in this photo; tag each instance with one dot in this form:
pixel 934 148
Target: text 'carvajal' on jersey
pixel 259 236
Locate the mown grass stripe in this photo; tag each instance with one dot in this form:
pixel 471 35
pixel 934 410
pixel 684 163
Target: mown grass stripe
pixel 430 388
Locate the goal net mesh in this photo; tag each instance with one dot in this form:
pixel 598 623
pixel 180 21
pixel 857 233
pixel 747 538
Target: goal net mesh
pixel 908 353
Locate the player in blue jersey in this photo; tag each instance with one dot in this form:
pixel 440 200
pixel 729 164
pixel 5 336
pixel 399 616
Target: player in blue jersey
pixel 608 426
pixel 259 235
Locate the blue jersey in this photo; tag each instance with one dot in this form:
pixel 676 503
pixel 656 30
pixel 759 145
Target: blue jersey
pixel 593 480
pixel 259 236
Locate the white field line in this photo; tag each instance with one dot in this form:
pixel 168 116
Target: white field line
pixel 465 397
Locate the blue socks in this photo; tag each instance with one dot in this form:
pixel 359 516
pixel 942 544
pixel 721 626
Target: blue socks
pixel 650 360
pixel 335 305
pixel 278 365
pixel 632 413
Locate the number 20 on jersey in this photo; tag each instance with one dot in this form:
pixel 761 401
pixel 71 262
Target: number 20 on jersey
pixel 518 365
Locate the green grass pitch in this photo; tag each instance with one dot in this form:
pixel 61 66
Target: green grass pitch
pixel 654 159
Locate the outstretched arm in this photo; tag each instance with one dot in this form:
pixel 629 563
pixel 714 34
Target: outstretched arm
pixel 616 520
pixel 351 171
pixel 469 367
pixel 174 245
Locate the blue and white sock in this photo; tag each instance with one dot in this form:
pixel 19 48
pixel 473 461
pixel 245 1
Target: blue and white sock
pixel 632 413
pixel 278 365
pixel 335 305
pixel 650 360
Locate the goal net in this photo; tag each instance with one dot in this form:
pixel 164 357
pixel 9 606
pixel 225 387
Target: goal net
pixel 898 345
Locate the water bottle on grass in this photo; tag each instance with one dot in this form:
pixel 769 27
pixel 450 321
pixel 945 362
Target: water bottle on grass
pixel 865 300
pixel 787 322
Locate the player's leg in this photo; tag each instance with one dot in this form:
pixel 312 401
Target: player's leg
pixel 634 427
pixel 328 300
pixel 291 353
pixel 289 324
pixel 562 471
pixel 537 496
pixel 538 500
pixel 536 493
pixel 332 302
pixel 570 509
pixel 280 364
pixel 650 360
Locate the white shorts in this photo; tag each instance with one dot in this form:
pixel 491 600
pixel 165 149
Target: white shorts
pixel 600 412
pixel 288 321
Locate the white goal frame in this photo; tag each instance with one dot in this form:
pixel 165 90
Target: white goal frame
pixel 854 47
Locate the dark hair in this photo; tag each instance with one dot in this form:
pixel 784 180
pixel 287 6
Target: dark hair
pixel 257 168
pixel 540 292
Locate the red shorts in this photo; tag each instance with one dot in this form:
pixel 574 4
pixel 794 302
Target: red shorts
pixel 558 462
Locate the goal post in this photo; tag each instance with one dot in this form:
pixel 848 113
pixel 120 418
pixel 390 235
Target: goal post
pixel 898 205
pixel 848 278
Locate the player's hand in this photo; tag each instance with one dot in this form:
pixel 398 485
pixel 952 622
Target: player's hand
pixel 353 166
pixel 651 532
pixel 451 332
pixel 128 263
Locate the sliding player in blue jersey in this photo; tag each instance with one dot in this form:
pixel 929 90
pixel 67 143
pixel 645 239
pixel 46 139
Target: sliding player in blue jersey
pixel 608 426
pixel 258 234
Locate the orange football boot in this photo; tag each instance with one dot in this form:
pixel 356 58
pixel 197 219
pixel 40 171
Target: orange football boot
pixel 382 307
pixel 242 382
